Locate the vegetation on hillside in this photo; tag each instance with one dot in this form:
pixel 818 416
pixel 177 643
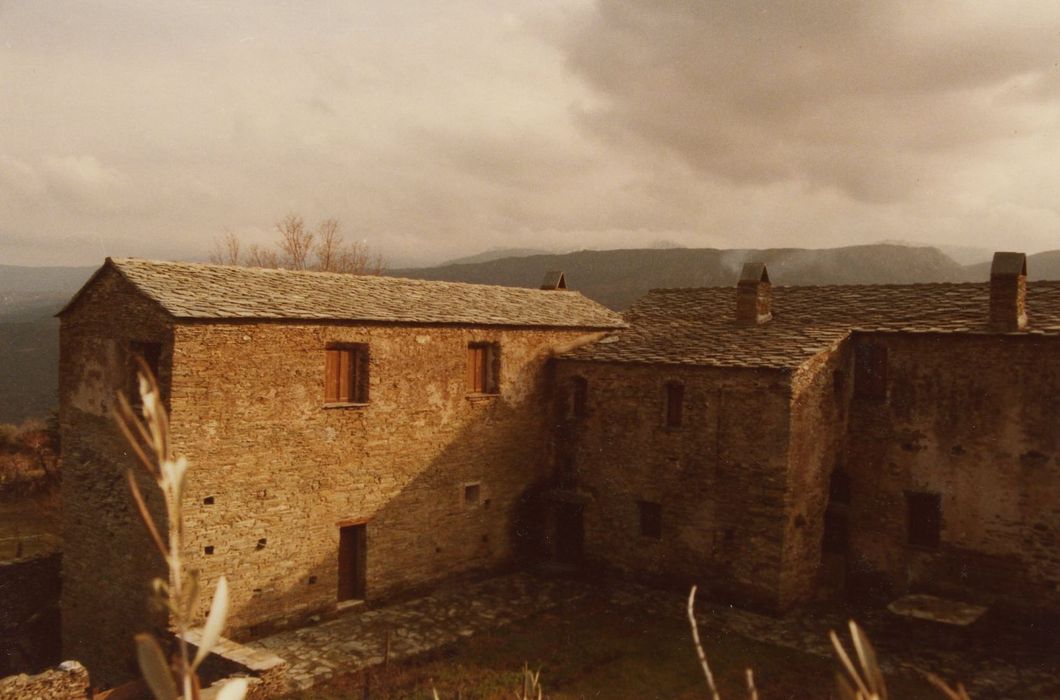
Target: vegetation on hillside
pixel 29 457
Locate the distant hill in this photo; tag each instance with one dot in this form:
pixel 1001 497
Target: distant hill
pixel 618 277
pixel 1040 266
pixel 29 336
pixel 496 254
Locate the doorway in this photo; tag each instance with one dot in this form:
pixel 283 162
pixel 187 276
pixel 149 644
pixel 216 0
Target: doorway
pixel 570 533
pixel 352 562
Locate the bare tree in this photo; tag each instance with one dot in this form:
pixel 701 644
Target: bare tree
pixel 328 247
pixel 227 250
pixel 296 242
pixel 262 257
pixel 300 248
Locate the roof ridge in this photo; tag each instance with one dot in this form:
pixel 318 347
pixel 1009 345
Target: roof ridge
pixel 337 275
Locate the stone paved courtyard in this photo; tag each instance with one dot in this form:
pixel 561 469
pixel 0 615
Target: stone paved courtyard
pixel 358 639
pixel 1005 665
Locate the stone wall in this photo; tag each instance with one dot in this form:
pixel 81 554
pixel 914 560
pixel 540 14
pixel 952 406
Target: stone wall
pixel 67 682
pixel 275 473
pixel 29 614
pixel 819 411
pixel 977 420
pixel 720 478
pixel 107 556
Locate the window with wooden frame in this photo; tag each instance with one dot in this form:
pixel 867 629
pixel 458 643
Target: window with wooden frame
pixel 346 374
pixel 483 361
pixel 870 371
pixel 675 404
pixel 924 519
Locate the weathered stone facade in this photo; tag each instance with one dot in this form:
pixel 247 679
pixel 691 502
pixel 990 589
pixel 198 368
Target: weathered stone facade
pixel 435 476
pixel 720 477
pixel 975 419
pixel 108 559
pixel 767 444
pixel 813 418
pixel 400 464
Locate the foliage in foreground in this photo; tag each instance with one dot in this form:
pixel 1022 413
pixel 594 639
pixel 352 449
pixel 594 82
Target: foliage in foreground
pixel 148 436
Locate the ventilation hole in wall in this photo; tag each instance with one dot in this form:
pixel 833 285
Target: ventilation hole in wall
pixel 208 549
pixel 312 580
pixel 261 544
pixel 486 503
pixel 208 501
pixel 257 591
pixel 485 538
pixel 471 493
pixel 437 550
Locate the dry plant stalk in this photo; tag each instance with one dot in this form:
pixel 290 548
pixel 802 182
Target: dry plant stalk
pixel 148 436
pixel 699 648
pixel 861 681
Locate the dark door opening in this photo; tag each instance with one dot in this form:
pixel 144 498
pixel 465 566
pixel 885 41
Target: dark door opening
pixel 352 562
pixel 570 532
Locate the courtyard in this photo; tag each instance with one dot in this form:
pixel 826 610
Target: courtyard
pixel 621 640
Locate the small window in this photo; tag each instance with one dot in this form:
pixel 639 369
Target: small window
pixel 483 364
pixel 346 374
pixel 472 493
pixel 870 371
pixel 675 404
pixel 924 519
pixel 650 519
pixel 579 396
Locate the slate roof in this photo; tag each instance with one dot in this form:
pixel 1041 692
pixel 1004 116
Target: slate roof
pixel 196 291
pixel 698 326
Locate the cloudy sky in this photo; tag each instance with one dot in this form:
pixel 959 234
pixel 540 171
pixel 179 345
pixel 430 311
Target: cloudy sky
pixel 438 129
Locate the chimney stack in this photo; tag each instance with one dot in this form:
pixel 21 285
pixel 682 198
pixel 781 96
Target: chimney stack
pixel 754 295
pixel 554 279
pixel 1008 292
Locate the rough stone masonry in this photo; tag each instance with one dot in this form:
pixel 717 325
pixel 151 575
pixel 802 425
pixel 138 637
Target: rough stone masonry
pixel 358 438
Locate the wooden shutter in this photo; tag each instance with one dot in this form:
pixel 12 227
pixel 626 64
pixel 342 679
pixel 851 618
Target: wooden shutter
pixel 476 369
pixel 344 376
pixel 357 392
pixel 331 376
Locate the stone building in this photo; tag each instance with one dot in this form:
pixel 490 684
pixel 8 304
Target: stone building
pixel 350 437
pixel 356 438
pixel 774 443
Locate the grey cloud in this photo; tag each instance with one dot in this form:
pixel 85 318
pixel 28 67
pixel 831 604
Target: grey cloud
pixel 856 96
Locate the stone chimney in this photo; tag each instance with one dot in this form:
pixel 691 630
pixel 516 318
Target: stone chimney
pixel 554 280
pixel 1008 292
pixel 754 295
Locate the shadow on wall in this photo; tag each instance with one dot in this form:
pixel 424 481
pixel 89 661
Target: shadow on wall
pixel 472 510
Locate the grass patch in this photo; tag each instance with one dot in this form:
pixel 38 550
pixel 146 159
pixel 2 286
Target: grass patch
pixel 595 650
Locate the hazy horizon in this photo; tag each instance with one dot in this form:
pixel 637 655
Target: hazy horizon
pixel 437 131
